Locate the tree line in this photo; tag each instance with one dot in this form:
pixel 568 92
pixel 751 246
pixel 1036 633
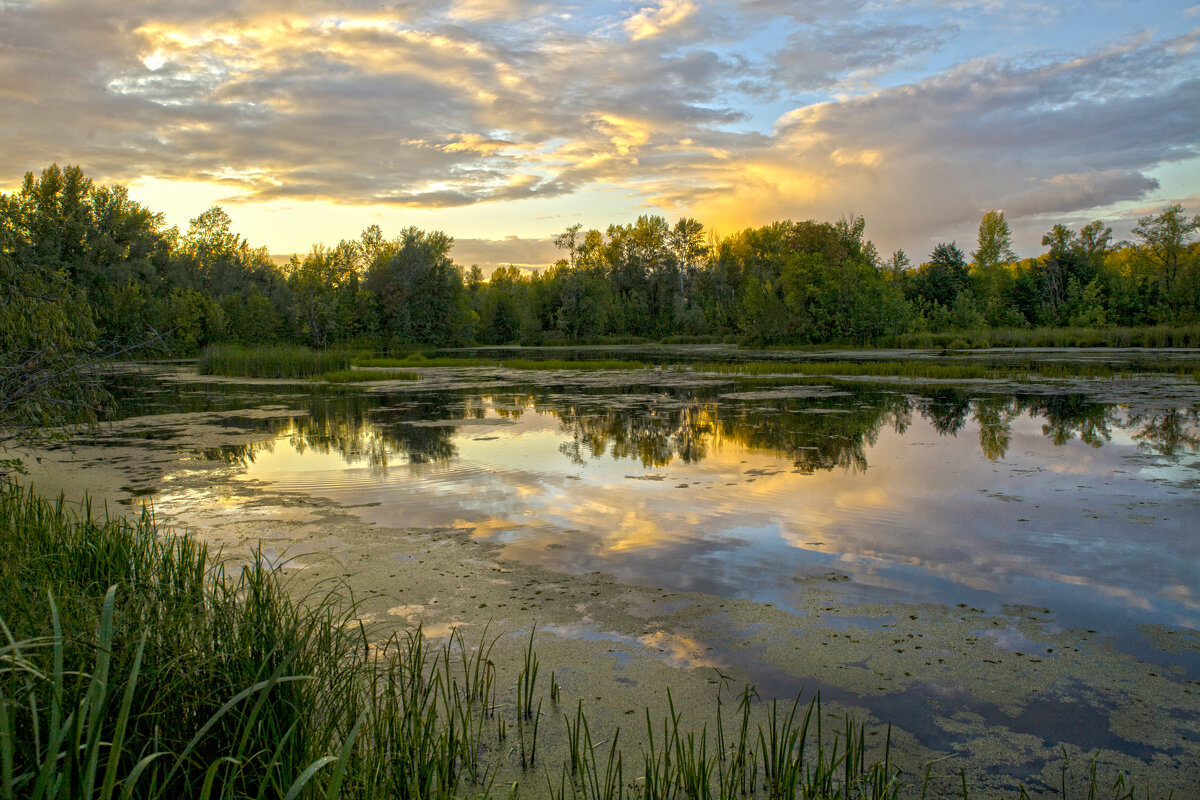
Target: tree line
pixel 107 269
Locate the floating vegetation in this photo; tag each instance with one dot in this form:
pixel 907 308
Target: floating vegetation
pixel 134 664
pixel 361 375
pixel 942 371
pixel 578 366
pixel 335 366
pixel 421 360
pixel 905 369
pixel 275 361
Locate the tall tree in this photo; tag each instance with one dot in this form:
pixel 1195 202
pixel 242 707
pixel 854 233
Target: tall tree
pixel 995 242
pixel 940 279
pixel 326 285
pixel 418 290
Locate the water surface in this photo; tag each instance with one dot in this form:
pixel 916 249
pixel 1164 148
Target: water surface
pixel 1033 508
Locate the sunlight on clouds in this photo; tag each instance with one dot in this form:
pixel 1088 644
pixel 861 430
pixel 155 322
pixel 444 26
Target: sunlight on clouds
pixel 646 108
pixel 845 157
pixel 653 20
pixel 625 134
pixel 474 143
pixel 754 191
pixel 677 649
pixel 485 10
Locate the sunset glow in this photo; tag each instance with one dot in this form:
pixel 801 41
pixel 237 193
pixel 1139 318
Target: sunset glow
pixel 504 122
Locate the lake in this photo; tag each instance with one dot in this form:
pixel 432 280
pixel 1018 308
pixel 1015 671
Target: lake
pixel 1001 568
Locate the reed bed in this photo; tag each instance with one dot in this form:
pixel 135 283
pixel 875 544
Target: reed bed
pixel 133 664
pixel 275 361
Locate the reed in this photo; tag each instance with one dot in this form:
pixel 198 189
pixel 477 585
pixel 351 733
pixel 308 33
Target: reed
pixel 275 361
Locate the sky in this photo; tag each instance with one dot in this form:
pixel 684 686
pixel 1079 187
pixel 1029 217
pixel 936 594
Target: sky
pixel 502 122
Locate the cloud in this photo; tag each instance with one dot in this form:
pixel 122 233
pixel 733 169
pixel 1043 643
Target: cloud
pixel 654 20
pixel 823 56
pixel 683 108
pixel 1063 194
pixel 1032 138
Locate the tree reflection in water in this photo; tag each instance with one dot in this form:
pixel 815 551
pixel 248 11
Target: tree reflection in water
pixel 820 433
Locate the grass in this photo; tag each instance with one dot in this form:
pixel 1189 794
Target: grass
pixel 360 375
pixel 941 371
pixel 135 665
pixel 1145 336
pixel 275 361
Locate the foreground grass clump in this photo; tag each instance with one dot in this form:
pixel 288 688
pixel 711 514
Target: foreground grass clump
pixel 276 361
pixel 361 375
pixel 133 665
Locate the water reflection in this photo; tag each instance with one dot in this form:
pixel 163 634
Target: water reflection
pixel 942 496
pixel 825 432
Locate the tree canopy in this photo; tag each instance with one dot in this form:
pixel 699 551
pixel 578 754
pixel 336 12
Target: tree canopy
pixel 109 273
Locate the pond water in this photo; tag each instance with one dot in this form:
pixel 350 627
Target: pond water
pixel 751 491
pixel 1056 502
pixel 1069 507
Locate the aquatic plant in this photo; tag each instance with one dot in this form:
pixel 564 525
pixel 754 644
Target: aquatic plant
pixel 361 375
pixel 275 361
pixel 579 366
pixel 422 361
pixel 517 363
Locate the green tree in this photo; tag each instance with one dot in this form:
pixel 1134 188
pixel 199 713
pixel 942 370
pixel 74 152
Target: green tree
pixel 1164 243
pixel 418 290
pixel 48 357
pixel 326 285
pixel 995 242
pixel 938 281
